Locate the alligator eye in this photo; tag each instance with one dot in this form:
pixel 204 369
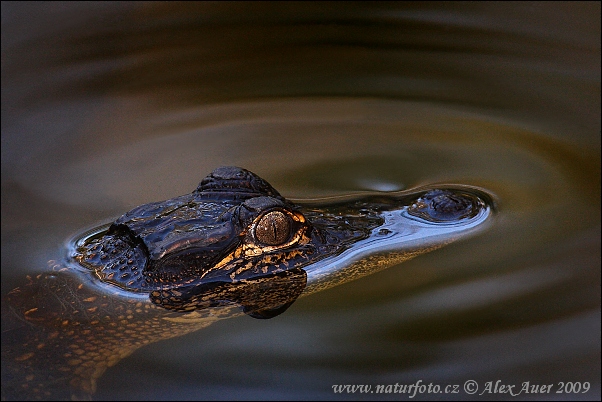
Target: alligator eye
pixel 273 228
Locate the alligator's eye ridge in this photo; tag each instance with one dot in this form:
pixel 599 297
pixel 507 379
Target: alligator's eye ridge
pixel 273 228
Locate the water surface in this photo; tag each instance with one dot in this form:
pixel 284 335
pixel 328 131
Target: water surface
pixel 105 107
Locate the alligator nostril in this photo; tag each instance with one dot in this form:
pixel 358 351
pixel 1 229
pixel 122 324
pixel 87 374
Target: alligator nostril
pixel 449 204
pixel 444 206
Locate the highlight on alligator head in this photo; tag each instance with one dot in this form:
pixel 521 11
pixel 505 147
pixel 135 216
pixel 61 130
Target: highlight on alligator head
pixel 232 245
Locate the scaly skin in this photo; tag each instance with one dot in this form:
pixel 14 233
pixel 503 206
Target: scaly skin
pixel 168 268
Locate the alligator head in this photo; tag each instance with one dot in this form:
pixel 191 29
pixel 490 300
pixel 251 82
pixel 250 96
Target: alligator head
pixel 235 239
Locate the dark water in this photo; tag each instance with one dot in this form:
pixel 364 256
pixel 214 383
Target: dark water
pixel 106 106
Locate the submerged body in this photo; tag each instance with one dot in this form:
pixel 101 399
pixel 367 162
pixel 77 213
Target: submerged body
pixel 234 245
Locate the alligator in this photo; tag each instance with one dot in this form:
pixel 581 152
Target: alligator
pixel 233 246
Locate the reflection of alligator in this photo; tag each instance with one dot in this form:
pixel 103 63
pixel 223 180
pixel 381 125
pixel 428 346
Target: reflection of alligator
pixel 168 268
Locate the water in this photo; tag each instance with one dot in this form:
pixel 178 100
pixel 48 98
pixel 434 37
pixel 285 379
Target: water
pixel 105 107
